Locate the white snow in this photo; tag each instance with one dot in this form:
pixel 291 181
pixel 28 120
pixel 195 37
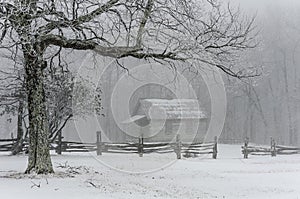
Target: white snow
pixel 84 175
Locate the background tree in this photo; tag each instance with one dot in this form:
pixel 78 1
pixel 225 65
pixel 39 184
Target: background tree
pixel 69 98
pixel 63 92
pixel 277 91
pixel 203 32
pixel 12 101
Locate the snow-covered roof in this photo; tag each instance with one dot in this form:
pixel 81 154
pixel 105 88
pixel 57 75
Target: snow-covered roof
pixel 172 109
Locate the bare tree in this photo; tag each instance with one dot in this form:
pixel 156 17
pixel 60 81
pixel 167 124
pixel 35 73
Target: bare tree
pixel 203 32
pixel 68 97
pixel 12 99
pixel 61 87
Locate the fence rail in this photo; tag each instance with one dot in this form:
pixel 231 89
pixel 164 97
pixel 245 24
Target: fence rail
pixel 7 144
pixel 180 148
pixel 272 150
pixel 187 149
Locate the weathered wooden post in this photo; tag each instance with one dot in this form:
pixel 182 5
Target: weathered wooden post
pixel 215 148
pixel 178 147
pixel 59 143
pixel 99 143
pixel 141 146
pixel 246 152
pixel 273 147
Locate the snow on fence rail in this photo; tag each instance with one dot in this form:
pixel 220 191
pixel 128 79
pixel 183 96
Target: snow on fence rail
pixel 287 150
pixel 180 148
pixel 272 150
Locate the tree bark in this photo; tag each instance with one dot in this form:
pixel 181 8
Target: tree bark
pixel 39 160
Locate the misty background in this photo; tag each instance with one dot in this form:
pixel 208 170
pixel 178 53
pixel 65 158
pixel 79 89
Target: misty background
pixel 269 105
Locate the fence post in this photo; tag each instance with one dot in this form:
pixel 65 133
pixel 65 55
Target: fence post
pixel 178 147
pixel 141 146
pixel 215 148
pixel 12 137
pixel 273 147
pixel 246 152
pixel 99 143
pixel 59 143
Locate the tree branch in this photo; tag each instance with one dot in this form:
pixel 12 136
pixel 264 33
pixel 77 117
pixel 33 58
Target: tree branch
pixel 78 20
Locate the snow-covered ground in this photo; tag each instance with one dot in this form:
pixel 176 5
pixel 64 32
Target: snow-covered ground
pixel 155 176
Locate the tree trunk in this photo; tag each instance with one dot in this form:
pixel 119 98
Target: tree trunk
pixel 20 133
pixel 39 160
pixel 287 95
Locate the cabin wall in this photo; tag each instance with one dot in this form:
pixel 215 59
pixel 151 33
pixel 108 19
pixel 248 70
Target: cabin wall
pixel 188 130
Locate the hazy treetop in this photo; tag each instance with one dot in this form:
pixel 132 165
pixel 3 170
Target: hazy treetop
pixel 260 6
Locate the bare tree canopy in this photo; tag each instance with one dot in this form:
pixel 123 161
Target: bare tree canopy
pixel 199 31
pixel 202 30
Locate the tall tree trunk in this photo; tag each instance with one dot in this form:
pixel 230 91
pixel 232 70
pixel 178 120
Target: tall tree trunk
pixel 39 160
pixel 287 95
pixel 20 133
pixel 277 133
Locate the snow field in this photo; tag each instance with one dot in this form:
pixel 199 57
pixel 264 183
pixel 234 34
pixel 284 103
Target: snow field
pixel 83 175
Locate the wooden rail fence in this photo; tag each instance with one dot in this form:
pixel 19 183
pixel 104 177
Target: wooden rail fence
pixel 140 148
pixel 187 149
pixel 272 150
pixel 7 144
